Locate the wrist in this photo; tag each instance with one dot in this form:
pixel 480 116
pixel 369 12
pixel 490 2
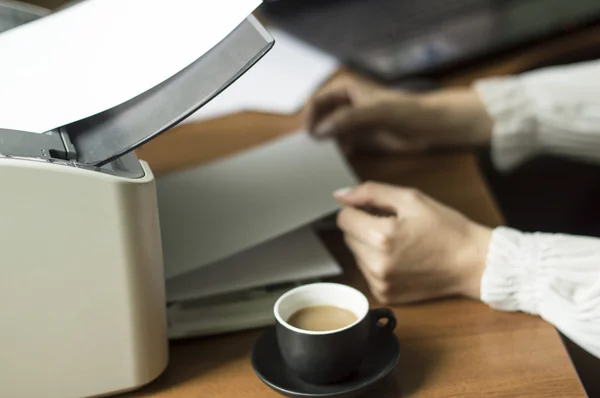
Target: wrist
pixel 474 260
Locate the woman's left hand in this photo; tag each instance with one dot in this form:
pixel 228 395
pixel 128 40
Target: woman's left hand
pixel 419 250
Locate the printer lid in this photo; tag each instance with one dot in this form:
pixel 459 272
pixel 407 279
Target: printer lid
pixel 106 136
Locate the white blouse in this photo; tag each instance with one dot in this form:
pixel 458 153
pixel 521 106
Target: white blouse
pixel 553 110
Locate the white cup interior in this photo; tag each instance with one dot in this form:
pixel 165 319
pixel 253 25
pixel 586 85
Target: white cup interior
pixel 314 294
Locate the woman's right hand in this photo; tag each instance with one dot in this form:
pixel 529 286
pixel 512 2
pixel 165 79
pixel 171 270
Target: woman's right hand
pixel 367 117
pixel 412 248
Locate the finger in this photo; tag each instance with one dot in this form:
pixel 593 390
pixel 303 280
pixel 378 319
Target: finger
pixel 373 231
pixel 376 194
pixel 398 200
pixel 321 107
pixel 349 120
pixel 325 102
pixel 377 263
pixel 381 290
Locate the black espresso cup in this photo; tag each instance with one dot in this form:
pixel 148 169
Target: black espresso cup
pixel 324 357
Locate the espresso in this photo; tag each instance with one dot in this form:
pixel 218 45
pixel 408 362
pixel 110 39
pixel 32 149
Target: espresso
pixel 321 318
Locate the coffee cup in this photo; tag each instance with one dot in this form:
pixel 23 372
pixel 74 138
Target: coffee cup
pixel 318 355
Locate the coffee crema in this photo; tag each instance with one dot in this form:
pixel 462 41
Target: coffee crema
pixel 321 318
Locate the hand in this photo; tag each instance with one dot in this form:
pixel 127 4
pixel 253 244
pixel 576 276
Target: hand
pixel 421 250
pixel 368 117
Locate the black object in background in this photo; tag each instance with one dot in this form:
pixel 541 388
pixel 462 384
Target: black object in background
pixel 393 39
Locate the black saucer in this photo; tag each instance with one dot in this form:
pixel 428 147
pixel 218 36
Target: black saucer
pixel 382 357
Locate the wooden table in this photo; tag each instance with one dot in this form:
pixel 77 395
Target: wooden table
pixel 451 347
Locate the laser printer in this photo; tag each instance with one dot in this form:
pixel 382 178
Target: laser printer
pixel 82 295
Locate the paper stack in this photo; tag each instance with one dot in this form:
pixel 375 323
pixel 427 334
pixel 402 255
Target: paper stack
pixel 236 232
pixel 98 54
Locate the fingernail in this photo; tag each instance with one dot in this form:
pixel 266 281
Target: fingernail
pixel 340 193
pixel 323 129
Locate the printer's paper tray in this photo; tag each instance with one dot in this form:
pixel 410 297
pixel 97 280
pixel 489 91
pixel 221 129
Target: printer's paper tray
pixel 108 135
pixel 224 314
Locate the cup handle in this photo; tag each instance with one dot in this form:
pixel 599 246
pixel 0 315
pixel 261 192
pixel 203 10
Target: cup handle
pixel 378 314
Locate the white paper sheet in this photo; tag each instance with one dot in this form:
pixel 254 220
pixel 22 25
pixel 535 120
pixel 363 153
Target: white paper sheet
pixel 279 83
pixel 293 257
pixel 213 211
pixel 100 53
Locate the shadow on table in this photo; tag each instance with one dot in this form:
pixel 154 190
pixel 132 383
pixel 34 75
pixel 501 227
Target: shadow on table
pixel 417 364
pixel 190 359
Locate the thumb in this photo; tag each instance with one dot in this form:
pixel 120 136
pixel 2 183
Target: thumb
pixel 347 120
pixel 371 194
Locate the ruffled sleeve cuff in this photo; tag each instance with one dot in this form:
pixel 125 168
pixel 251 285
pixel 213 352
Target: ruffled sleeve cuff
pixel 514 138
pixel 552 275
pixel 511 273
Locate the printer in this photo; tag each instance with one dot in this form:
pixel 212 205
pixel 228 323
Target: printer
pixel 82 295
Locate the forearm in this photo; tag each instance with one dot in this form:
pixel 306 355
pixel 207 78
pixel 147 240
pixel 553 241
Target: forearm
pixel 460 117
pixel 552 275
pixel 553 111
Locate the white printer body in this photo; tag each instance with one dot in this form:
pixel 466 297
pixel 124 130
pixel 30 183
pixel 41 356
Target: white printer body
pixel 82 298
pixel 81 280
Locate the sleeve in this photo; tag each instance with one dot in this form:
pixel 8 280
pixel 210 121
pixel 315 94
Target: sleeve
pixel 554 276
pixel 553 110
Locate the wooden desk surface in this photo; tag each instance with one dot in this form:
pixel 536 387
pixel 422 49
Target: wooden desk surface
pixel 449 348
